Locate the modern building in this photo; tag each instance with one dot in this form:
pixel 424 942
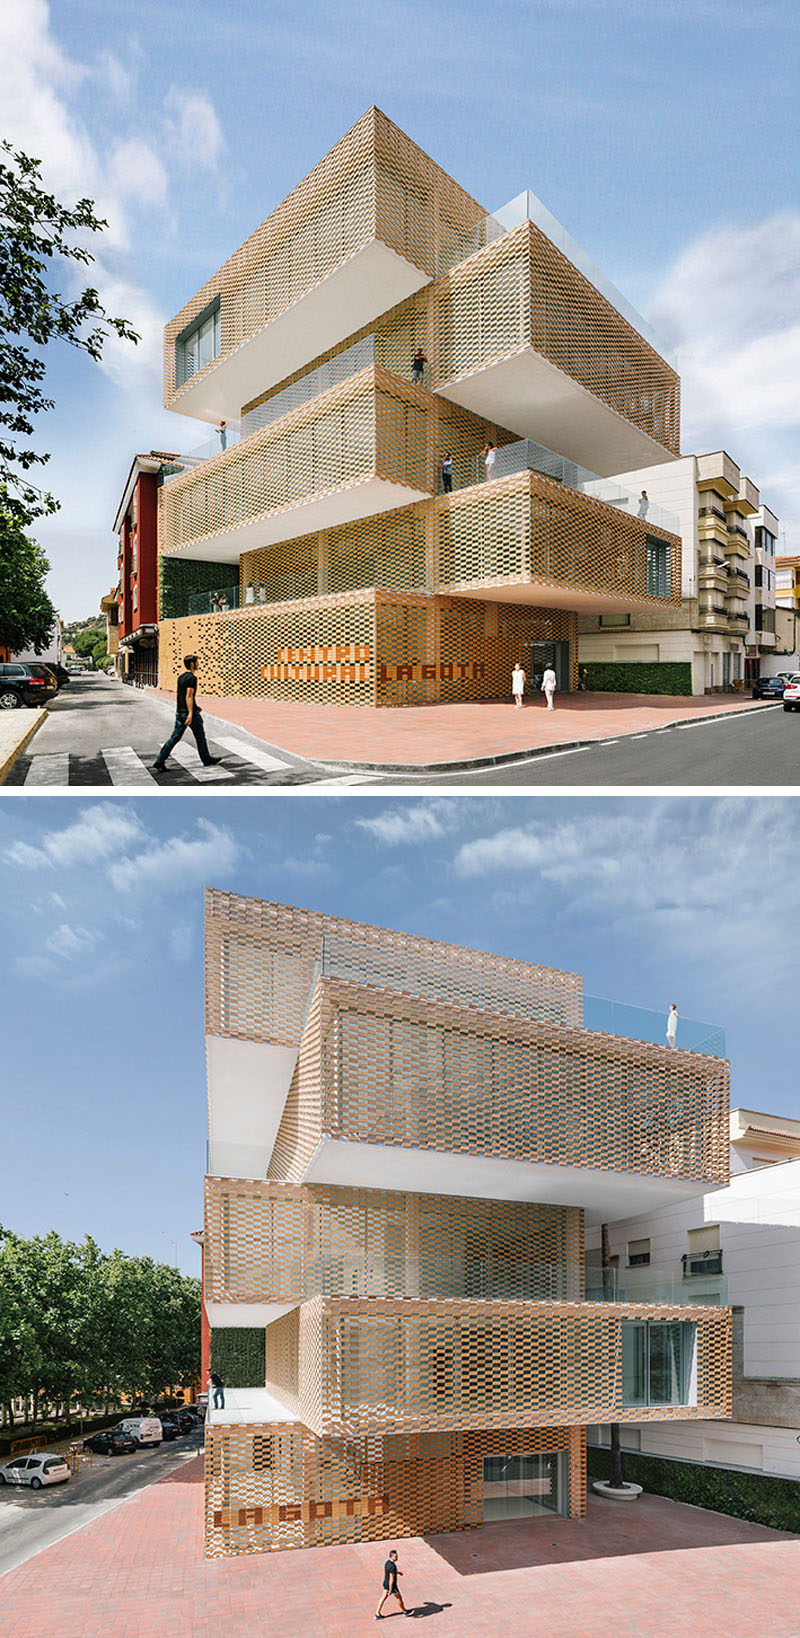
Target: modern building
pixel 136 527
pixel 787 578
pixel 743 1241
pixel 722 631
pixel 343 536
pixel 406 1141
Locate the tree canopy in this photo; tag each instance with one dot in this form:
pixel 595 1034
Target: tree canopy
pixel 37 231
pixel 27 616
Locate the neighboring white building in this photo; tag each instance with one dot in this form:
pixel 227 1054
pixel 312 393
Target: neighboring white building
pixel 750 1233
pixel 54 650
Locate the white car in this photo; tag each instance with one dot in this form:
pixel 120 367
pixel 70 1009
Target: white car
pixel 791 693
pixel 36 1470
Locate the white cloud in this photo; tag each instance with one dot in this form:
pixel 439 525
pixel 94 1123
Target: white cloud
pixel 69 941
pixel 422 822
pixel 136 172
pixel 178 862
pixel 194 130
pixel 97 833
pixel 730 304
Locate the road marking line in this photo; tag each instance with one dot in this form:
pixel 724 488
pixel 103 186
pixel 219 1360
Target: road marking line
pixel 125 767
pixel 251 753
pixel 48 768
pixel 191 762
pixel 346 779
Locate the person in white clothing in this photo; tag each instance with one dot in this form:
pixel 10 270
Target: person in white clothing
pixel 549 686
pixel 672 1024
pixel 518 685
pixel 489 456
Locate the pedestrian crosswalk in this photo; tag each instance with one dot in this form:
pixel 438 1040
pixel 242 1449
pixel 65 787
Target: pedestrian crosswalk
pixel 241 763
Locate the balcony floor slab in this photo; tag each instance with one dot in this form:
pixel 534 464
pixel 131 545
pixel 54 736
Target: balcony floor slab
pixel 250 1405
pixel 364 499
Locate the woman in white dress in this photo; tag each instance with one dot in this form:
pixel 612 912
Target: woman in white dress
pixel 518 685
pixel 549 686
pixel 672 1024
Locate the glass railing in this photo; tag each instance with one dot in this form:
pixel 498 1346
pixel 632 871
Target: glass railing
pixel 224 438
pixel 330 374
pixel 528 208
pixel 216 602
pixel 501 1279
pixel 524 455
pixel 645 1024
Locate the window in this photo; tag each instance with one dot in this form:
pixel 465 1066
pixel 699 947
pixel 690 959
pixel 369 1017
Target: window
pixel 658 567
pixel 659 1362
pixel 638 1253
pixel 704 1255
pixel 614 619
pixel 198 344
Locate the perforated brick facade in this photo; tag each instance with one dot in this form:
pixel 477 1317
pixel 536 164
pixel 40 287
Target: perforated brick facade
pixel 412 1335
pixel 334 508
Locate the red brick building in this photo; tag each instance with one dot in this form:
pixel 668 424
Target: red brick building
pixel 136 527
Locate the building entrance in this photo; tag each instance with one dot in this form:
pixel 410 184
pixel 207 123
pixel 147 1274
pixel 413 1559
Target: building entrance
pixel 544 654
pixel 518 1487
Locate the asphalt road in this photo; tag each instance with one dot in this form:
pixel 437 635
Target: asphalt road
pixel 33 1519
pixel 100 731
pixel 760 748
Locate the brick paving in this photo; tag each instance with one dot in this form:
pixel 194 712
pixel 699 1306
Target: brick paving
pixel 422 736
pixel 654 1570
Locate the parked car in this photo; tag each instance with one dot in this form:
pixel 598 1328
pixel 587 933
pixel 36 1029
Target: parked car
pixel 169 1427
pixel 791 693
pixel 24 684
pixel 186 1419
pixel 37 1470
pixel 769 688
pixel 111 1442
pixel 146 1430
pixel 59 671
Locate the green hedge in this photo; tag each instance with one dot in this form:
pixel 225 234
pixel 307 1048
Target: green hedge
pixel 758 1497
pixel 53 1432
pixel 182 578
pixel 240 1356
pixel 638 676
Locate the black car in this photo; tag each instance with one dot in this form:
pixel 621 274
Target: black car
pixel 24 684
pixel 185 1420
pixel 769 688
pixel 169 1427
pixel 111 1442
pixel 60 672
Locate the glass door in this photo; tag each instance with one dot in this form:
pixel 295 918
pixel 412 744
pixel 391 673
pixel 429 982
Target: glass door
pixel 524 1486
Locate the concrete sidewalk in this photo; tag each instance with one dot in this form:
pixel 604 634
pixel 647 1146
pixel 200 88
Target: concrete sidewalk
pixel 652 1571
pixel 448 737
pixel 17 728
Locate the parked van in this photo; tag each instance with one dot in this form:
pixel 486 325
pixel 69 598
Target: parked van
pixel 146 1430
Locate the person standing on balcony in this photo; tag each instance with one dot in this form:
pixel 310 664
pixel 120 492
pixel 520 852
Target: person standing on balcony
pixel 672 1025
pixel 518 685
pixel 644 504
pixel 489 457
pixel 549 686
pixel 390 1587
pixel 447 475
pixel 217 1387
pixel 187 715
pixel 418 363
pixel 222 429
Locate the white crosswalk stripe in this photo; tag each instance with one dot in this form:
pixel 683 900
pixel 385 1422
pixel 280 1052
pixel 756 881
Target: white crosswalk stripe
pixel 125 767
pixel 252 753
pixel 51 768
pixel 345 779
pixel 189 760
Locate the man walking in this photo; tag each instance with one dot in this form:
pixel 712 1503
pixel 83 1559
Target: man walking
pixel 390 1587
pixel 187 715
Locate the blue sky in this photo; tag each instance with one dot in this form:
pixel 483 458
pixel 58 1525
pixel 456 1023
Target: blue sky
pixel 688 899
pixel 664 137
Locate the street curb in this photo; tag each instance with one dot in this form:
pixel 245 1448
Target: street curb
pixel 5 767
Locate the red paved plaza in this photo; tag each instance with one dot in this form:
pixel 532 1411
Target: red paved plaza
pixel 423 735
pixel 654 1570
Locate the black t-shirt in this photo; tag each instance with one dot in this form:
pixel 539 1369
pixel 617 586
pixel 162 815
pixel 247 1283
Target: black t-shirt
pixel 390 1575
pixel 186 680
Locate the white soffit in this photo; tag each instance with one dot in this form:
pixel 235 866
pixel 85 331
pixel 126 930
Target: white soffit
pixel 604 1195
pixel 371 281
pixel 247 1086
pixel 543 595
pixel 246 1315
pixel 530 396
pixel 345 505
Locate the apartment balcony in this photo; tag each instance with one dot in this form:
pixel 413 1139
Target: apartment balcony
pixel 495 1107
pixel 718 472
pixel 350 1366
pixel 526 340
pixel 367 227
pixel 749 499
pixel 536 539
pixel 358 449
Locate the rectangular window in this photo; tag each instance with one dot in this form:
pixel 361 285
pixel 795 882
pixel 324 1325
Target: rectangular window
pixel 638 1253
pixel 198 344
pixel 658 567
pixel 659 1362
pixel 614 619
